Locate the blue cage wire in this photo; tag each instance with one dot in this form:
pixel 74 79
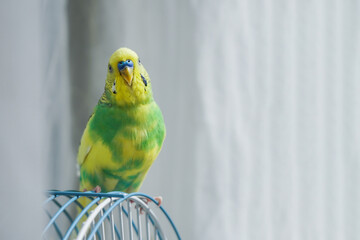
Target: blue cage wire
pixel 113 215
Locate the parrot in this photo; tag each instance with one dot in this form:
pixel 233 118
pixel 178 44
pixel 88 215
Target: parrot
pixel 125 132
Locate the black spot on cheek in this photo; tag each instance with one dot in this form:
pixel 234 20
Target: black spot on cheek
pixel 144 80
pixel 113 88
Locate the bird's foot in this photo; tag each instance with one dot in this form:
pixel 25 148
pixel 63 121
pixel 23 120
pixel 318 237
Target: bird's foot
pixel 96 189
pixel 158 199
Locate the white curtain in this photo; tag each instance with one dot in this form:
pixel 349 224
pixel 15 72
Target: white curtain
pixel 23 127
pixel 277 145
pixel 260 99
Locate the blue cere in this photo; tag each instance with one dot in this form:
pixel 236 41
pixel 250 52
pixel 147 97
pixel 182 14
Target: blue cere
pixel 123 64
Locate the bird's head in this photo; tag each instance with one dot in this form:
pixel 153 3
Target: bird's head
pixel 127 82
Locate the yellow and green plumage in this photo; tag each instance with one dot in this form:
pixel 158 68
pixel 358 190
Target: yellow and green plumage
pixel 125 133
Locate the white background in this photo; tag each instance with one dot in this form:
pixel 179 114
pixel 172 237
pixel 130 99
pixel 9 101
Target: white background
pixel 260 99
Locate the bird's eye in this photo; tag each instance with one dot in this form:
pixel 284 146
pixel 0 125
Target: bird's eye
pixel 110 68
pixel 139 61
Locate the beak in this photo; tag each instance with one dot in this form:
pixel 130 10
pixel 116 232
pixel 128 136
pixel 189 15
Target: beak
pixel 127 74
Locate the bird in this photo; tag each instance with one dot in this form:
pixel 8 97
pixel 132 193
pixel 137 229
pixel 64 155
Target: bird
pixel 125 132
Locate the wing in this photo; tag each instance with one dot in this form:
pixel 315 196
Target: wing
pixel 92 157
pixel 85 145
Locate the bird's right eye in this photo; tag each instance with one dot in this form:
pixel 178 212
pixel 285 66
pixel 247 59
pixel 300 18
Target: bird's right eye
pixel 110 68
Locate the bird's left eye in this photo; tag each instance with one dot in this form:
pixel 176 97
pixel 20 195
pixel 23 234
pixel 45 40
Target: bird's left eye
pixel 139 61
pixel 110 68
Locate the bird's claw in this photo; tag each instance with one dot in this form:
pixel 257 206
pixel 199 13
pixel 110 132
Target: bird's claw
pixel 96 189
pixel 158 199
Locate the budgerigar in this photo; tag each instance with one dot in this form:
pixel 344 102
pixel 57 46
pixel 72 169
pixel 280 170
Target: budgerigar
pixel 125 133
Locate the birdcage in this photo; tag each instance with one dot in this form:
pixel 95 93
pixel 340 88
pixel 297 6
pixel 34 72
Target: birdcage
pixel 113 215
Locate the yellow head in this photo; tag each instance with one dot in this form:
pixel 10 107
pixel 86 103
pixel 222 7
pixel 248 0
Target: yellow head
pixel 127 82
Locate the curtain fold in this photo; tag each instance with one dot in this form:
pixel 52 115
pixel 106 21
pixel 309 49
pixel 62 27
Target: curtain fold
pixel 23 138
pixel 260 101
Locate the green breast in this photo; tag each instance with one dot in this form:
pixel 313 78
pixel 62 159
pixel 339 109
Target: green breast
pixel 110 122
pixel 134 135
